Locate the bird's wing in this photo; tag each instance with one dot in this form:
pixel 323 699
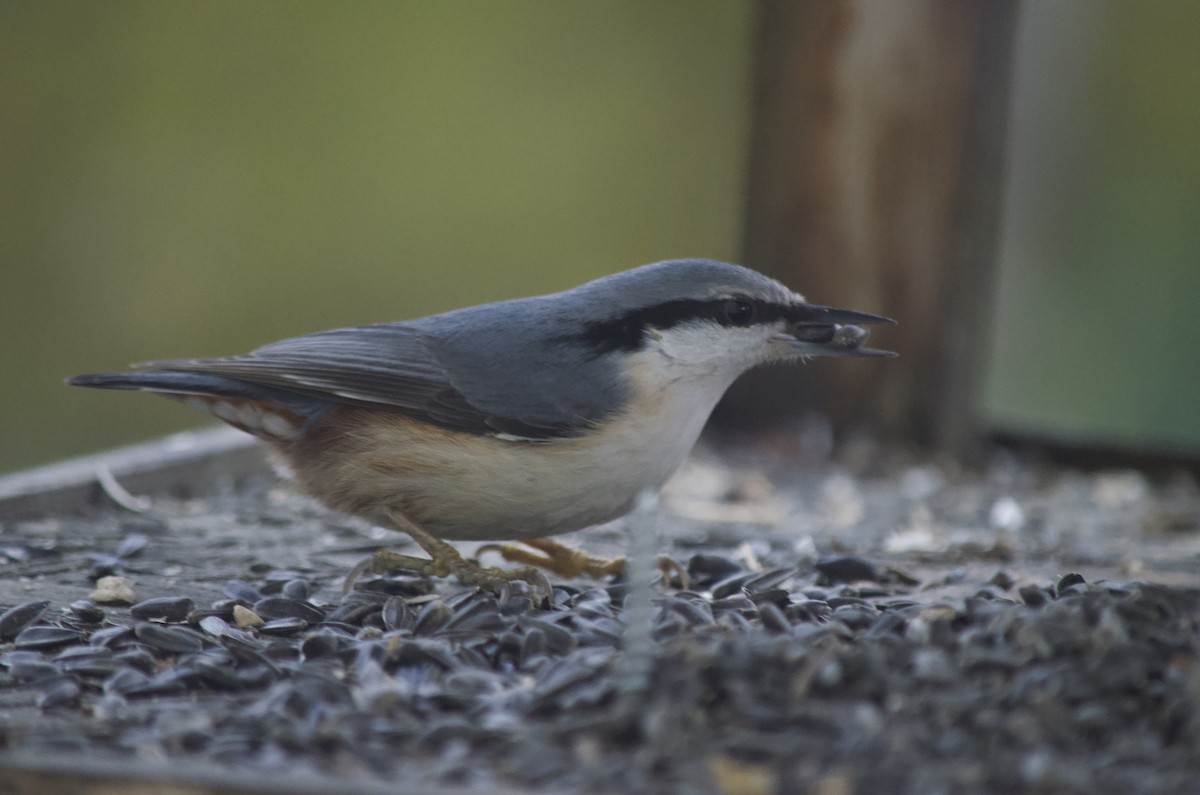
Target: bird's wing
pixel 394 366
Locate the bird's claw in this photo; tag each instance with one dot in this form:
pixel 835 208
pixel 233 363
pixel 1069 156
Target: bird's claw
pixel 468 572
pixel 569 563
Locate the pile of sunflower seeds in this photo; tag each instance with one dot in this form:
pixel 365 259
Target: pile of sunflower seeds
pixel 836 677
pixel 874 623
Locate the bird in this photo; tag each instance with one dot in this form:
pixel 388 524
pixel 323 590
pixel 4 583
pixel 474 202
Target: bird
pixel 511 421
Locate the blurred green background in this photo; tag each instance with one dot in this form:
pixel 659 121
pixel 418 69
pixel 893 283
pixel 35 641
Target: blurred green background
pixel 201 178
pixel 184 179
pixel 1095 336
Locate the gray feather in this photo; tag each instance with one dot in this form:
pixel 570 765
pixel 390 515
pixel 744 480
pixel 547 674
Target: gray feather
pixel 511 367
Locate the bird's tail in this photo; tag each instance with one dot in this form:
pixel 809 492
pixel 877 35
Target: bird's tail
pixel 269 413
pixel 167 383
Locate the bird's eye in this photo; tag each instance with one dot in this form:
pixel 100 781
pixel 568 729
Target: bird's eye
pixel 738 313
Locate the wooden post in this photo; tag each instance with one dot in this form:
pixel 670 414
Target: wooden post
pixel 874 183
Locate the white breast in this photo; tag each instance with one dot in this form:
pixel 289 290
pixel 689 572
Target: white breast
pixel 466 486
pixel 528 489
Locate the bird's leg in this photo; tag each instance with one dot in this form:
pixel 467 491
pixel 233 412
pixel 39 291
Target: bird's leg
pixel 443 561
pixel 567 562
pixel 556 558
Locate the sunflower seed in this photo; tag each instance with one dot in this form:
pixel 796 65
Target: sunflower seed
pixel 171 608
pixel 274 607
pixel 46 637
pixel 173 640
pixel 57 693
pixel 289 625
pixel 15 619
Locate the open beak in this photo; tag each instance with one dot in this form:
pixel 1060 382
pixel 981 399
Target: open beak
pixel 824 331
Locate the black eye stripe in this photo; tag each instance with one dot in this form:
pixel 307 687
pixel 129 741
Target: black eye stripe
pixel 627 332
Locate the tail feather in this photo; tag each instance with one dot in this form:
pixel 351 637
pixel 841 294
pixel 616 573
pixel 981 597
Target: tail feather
pixel 267 412
pixel 177 383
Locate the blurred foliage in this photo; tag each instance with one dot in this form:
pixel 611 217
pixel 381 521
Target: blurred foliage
pixel 1100 263
pixel 184 179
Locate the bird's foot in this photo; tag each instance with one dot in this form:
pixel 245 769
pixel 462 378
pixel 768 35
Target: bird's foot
pixel 443 561
pixel 468 572
pixel 570 563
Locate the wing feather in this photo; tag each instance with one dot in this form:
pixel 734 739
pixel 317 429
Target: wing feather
pixel 392 365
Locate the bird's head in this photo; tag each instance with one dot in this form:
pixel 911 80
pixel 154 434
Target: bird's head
pixel 715 317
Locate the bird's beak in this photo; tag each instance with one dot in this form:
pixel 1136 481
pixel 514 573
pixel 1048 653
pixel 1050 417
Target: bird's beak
pixel 824 331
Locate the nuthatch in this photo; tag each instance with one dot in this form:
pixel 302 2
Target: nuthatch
pixel 513 420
